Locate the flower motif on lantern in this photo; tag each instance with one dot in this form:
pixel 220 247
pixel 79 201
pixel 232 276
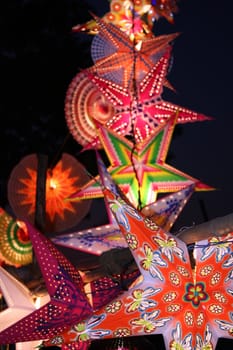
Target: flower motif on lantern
pixel 222 249
pixel 140 299
pixel 83 330
pixel 226 326
pixel 132 241
pixel 204 344
pixel 152 258
pixel 178 343
pixel 122 220
pixel 122 332
pixel 114 307
pixel 195 293
pixel 168 247
pixel 148 323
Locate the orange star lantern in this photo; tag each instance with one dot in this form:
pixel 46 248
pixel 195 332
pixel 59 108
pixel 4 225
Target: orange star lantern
pixel 67 176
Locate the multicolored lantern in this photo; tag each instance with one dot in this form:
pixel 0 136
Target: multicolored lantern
pixel 97 240
pixel 139 113
pixel 84 103
pixel 91 98
pixel 68 302
pixel 140 169
pixel 136 18
pixel 188 304
pixel 121 61
pixel 125 14
pixel 15 244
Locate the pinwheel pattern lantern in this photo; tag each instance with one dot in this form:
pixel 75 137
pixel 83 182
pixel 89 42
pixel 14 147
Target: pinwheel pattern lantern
pixel 15 244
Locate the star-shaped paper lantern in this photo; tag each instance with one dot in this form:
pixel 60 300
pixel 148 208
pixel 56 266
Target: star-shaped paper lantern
pixel 119 60
pixel 103 290
pixel 140 170
pixel 140 114
pixel 15 244
pixel 18 298
pixel 65 177
pixel 68 302
pixel 189 305
pixel 97 240
pixel 69 299
pixel 20 302
pixel 92 98
pixel 86 101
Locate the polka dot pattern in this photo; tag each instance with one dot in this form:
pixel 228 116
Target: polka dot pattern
pixel 68 302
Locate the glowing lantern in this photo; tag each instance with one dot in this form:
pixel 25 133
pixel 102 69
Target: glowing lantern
pixel 15 244
pixel 62 180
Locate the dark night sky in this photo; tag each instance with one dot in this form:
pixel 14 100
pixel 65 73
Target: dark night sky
pixel 39 56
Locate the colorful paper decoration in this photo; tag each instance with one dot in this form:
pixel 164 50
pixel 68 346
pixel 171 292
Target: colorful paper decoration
pixel 135 18
pixel 71 300
pixel 67 176
pixel 15 244
pixel 189 305
pixel 139 115
pixel 165 211
pixel 103 290
pixel 68 303
pixel 116 105
pixel 118 109
pixel 83 103
pixel 97 240
pixel 140 170
pixel 121 61
pixel 94 240
pixel 86 101
pixel 20 302
pixel 18 298
pixel 127 15
pixel 162 8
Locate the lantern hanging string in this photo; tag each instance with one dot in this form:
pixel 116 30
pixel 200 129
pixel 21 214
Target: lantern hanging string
pixel 133 108
pixel 58 153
